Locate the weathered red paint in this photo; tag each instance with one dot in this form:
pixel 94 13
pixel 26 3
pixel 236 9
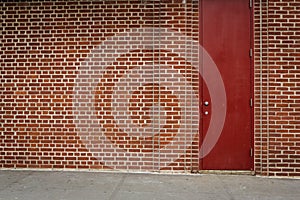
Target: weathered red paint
pixel 225 34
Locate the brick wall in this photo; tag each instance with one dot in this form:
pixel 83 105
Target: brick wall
pixel 50 49
pixel 277 105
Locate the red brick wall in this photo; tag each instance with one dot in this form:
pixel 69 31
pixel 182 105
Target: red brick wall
pixel 277 96
pixel 47 48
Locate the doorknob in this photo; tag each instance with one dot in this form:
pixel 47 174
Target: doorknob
pixel 206 103
pixel 206 112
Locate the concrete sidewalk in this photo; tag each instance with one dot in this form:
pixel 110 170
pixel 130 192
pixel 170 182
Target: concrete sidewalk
pixel 53 185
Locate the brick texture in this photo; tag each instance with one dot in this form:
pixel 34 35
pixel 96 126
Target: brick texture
pixel 277 59
pixel 46 45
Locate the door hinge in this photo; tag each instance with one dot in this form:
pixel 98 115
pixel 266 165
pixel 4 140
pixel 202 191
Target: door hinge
pixel 251 152
pixel 251 53
pixel 250 3
pixel 251 102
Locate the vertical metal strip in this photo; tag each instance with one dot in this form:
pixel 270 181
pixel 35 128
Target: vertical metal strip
pixel 153 81
pixel 268 92
pixel 195 55
pixel 189 159
pixel 201 91
pixel 185 85
pixel 159 77
pixel 191 85
pixel 261 83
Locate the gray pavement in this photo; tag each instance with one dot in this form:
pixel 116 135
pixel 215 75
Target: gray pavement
pixel 56 185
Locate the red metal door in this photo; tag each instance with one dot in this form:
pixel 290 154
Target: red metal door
pixel 226 99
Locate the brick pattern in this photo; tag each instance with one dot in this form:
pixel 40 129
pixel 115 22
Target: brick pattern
pixel 277 68
pixel 45 44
